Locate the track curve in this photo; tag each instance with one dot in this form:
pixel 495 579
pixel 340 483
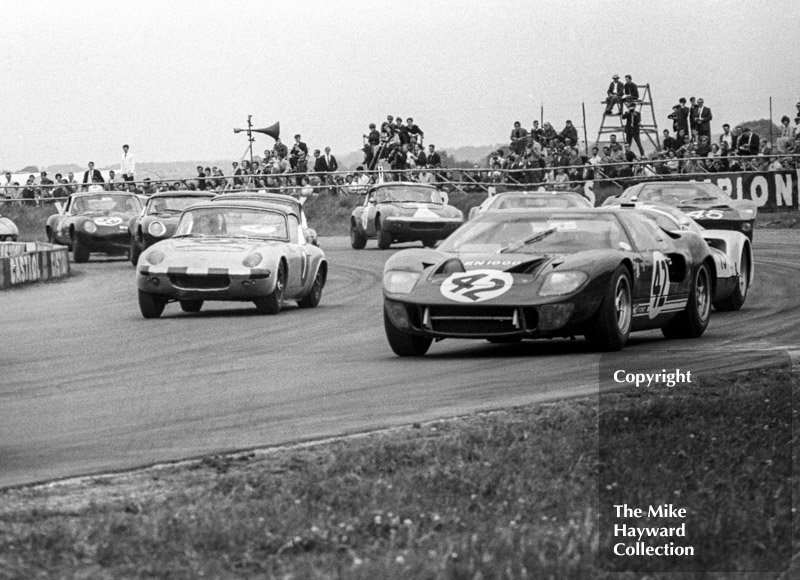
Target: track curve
pixel 87 385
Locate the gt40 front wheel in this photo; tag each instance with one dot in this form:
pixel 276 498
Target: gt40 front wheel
pixel 403 343
pixel 612 326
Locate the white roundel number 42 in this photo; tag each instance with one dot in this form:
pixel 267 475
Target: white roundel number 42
pixel 659 287
pixel 476 285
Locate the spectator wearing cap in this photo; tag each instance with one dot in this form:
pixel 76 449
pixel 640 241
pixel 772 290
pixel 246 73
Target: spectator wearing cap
pixel 701 119
pixel 127 164
pixel 519 138
pixel 569 132
pixel 630 91
pixel 615 95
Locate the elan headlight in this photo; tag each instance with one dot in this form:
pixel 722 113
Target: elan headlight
pixel 156 229
pixel 400 281
pixel 154 257
pixel 89 227
pixel 558 283
pixel 748 213
pixel 252 260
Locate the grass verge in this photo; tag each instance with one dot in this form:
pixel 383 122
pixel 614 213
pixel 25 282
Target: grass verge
pixel 511 494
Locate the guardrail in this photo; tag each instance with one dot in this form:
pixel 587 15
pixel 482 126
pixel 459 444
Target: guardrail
pixel 22 262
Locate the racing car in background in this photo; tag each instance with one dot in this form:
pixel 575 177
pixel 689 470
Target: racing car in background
pixel 94 222
pixel 237 250
pixel 8 230
pixel 508 276
pixel 530 200
pixel 400 211
pixel 279 200
pixel 705 203
pixel 159 218
pixel 732 252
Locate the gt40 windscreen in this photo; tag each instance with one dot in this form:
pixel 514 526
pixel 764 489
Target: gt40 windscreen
pixel 393 194
pixel 680 194
pixel 237 223
pixel 535 234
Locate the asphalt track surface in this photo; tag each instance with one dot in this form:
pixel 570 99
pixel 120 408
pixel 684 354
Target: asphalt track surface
pixel 88 386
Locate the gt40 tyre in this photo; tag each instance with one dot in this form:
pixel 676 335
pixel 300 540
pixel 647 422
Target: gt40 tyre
pixel 191 305
pixel 384 237
pixel 357 240
pixel 403 343
pixel 736 300
pixel 612 326
pixel 692 322
pixel 311 300
pixel 151 305
pixel 273 303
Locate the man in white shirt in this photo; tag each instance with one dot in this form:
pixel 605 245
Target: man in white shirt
pixel 127 165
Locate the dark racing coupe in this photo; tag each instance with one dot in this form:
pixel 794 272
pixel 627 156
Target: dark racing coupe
pixel 508 276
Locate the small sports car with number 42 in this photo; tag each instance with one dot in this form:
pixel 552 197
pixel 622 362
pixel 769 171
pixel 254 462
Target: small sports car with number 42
pixel 509 276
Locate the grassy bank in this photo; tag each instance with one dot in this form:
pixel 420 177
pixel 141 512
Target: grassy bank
pixel 510 494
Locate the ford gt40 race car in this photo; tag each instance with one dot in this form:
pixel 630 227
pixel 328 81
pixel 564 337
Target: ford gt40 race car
pixel 530 200
pixel 705 203
pixel 403 212
pixel 508 276
pixel 732 253
pixel 159 218
pixel 94 222
pixel 236 250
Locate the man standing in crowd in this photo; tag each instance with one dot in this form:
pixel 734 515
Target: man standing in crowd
pixel 279 149
pixel 127 164
pixel 702 119
pixel 112 181
pixel 519 138
pixel 92 175
pixel 630 92
pixel 415 133
pixel 433 158
pixel 297 148
pixel 748 143
pixel 726 136
pixel 201 178
pixel 44 185
pixel 615 92
pixel 633 120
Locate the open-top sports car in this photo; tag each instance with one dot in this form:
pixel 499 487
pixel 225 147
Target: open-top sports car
pixel 507 276
pixel 237 250
pixel 94 222
pixel 705 203
pixel 403 212
pixel 732 252
pixel 159 218
pixel 529 200
pixel 8 230
pixel 280 200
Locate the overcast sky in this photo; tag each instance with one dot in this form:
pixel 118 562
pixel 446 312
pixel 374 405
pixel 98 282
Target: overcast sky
pixel 172 79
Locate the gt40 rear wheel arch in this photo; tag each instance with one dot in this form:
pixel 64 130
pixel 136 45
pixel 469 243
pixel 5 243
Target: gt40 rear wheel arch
pixel 692 322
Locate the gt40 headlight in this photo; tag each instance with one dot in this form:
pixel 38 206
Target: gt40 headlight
pixel 400 281
pixel 154 257
pixel 156 229
pixel 558 283
pixel 252 260
pixel 89 227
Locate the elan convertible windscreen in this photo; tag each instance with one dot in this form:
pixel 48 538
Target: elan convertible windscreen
pixel 104 202
pixel 233 222
pixel 543 233
pixel 399 193
pixel 170 204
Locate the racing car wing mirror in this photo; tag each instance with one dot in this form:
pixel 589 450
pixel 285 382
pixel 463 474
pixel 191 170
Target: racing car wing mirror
pixel 625 247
